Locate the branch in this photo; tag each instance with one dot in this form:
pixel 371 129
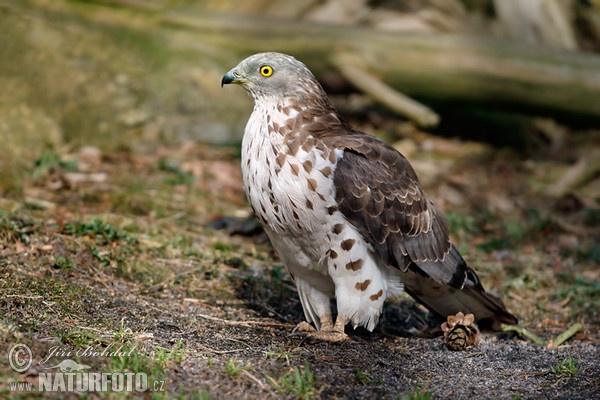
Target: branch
pixel 383 93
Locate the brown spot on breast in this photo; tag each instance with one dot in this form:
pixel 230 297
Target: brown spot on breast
pixel 278 218
pixel 308 144
pixel 326 171
pixel 293 146
pixel 274 128
pixel 281 159
pixel 354 265
pixel 295 214
pixel 321 146
pixel 295 169
pixel 302 135
pixel 332 157
pixel 331 209
pixel 338 228
pixel 269 184
pixel 309 204
pixel 283 130
pixel 376 296
pixel 307 166
pixel 333 254
pixel 362 286
pixel 312 184
pixel 347 244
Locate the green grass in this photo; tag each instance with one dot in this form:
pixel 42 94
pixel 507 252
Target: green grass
pixel 124 334
pixel 49 161
pixel 143 271
pixel 417 394
pixel 298 382
pixel 103 233
pixel 176 175
pixel 63 263
pixel 582 293
pixel 234 367
pixel 81 338
pixel 129 358
pixel 166 356
pixel 362 377
pixel 202 394
pixel 14 228
pixel 280 354
pixel 568 367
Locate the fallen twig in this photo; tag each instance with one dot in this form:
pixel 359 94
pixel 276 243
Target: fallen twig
pixel 566 335
pixel 522 331
pixel 552 344
pixel 245 323
pixel 254 378
pixel 384 93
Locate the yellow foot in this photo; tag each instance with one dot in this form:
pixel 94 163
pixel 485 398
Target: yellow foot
pixel 327 334
pixel 304 327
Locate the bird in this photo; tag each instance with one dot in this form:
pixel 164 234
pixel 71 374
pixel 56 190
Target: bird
pixel 345 210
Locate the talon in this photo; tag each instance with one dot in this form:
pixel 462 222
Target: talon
pixel 304 327
pixel 330 336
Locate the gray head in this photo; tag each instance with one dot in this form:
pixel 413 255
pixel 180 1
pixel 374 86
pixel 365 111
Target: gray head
pixel 275 75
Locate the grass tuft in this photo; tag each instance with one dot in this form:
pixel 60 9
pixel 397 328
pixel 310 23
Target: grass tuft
pixel 235 367
pixel 297 382
pixel 418 394
pixel 568 367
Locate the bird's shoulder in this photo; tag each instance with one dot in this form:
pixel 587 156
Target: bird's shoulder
pixel 377 190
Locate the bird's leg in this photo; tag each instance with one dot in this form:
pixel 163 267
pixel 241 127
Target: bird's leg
pixel 340 324
pixel 325 321
pixel 328 332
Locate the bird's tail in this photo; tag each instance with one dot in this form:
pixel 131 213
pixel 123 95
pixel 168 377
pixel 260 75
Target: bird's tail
pixel 443 300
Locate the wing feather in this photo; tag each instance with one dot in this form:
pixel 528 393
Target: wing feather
pixel 379 193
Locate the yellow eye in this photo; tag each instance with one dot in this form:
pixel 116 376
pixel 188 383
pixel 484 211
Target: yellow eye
pixel 266 70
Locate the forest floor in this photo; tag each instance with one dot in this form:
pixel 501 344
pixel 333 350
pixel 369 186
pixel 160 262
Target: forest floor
pixel 127 246
pixel 152 254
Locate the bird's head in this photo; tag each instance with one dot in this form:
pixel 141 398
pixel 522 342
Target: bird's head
pixel 274 75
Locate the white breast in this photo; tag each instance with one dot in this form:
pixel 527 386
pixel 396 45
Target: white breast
pixel 288 190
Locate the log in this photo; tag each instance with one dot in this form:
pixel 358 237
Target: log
pixel 439 68
pixel 351 69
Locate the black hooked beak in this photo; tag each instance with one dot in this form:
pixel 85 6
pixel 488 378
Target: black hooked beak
pixel 228 78
pixel 235 77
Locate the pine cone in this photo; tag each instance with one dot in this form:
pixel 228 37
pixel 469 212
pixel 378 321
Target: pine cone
pixel 460 331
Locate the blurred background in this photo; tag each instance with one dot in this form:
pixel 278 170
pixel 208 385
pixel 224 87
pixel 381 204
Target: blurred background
pixel 133 73
pixel 496 103
pixel 456 85
pixel 120 178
